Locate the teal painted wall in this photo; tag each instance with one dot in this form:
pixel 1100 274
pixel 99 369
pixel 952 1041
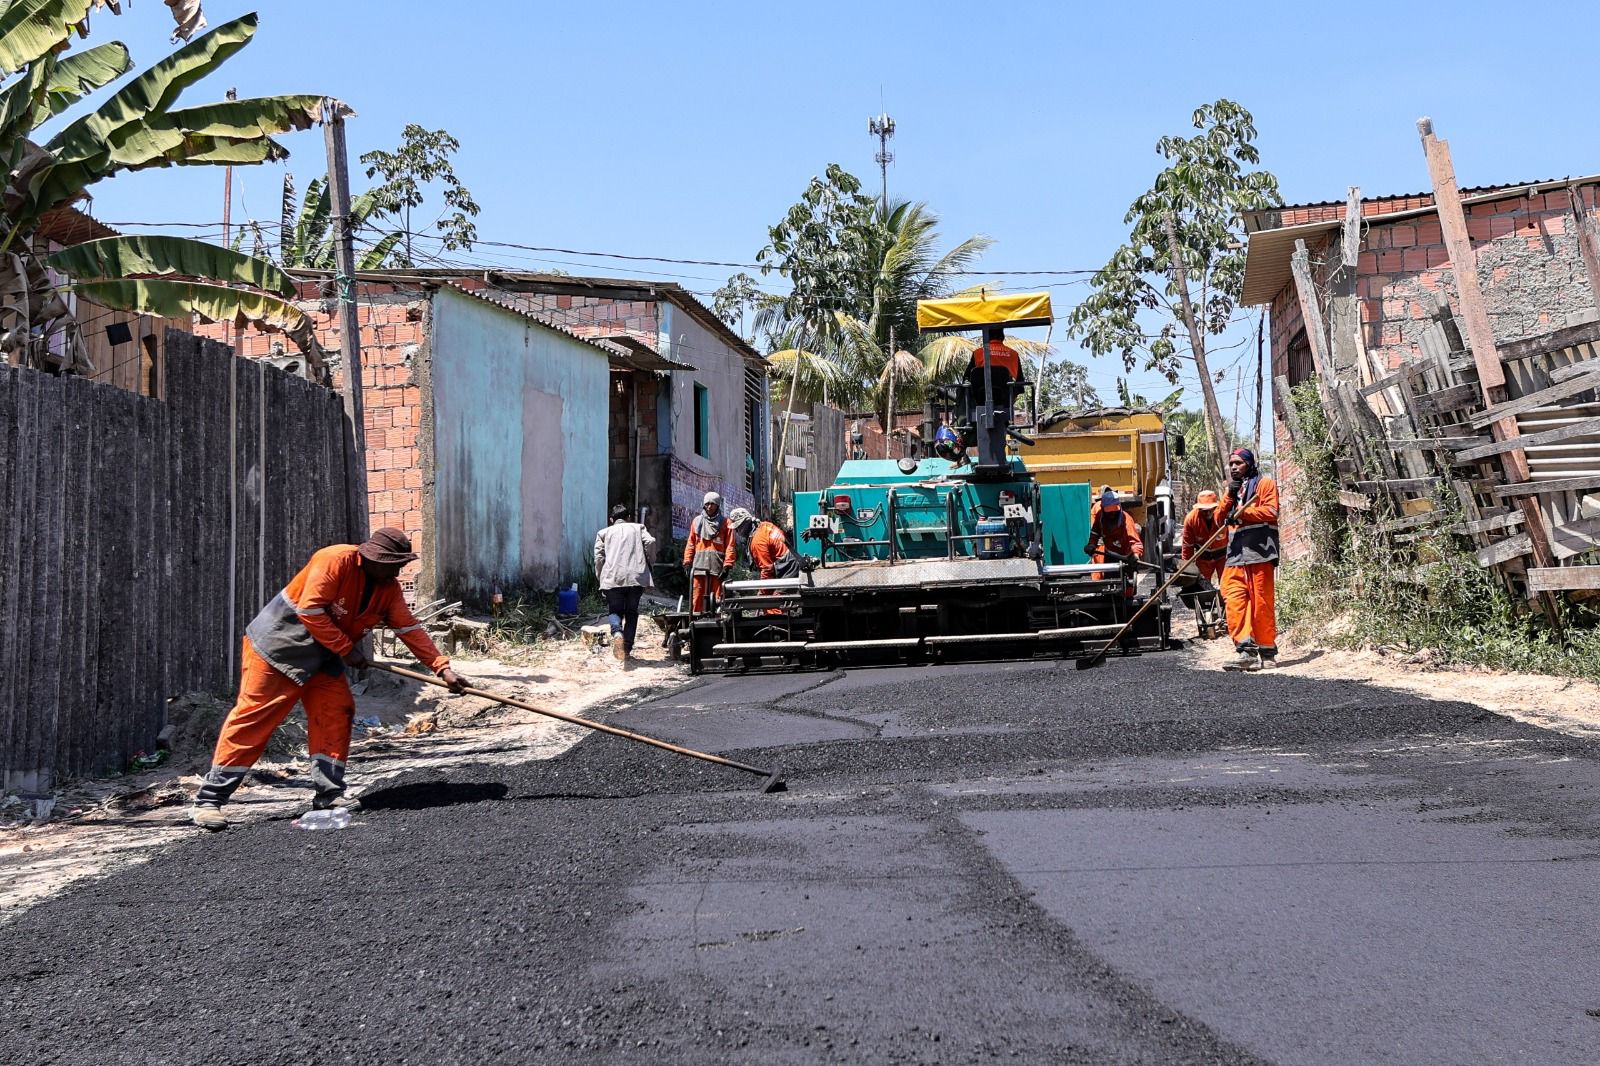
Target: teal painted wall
pixel 521 422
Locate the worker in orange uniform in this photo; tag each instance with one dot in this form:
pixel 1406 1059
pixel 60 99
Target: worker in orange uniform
pixel 1198 526
pixel 770 554
pixel 709 551
pixel 1249 590
pixel 1113 535
pixel 296 651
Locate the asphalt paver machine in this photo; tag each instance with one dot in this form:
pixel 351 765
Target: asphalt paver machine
pixel 935 558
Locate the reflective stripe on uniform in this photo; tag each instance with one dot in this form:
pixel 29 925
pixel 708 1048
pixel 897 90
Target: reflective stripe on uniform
pixel 407 629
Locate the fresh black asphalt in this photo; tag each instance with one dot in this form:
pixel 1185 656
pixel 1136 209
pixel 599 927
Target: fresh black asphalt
pixel 1143 863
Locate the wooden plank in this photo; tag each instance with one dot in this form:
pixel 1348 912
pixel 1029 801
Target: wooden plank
pixel 1402 484
pixel 1456 398
pixel 1354 500
pixel 1533 440
pixel 1588 239
pixel 1384 383
pixel 1554 341
pixel 1545 488
pixel 48 521
pixel 1491 525
pixel 1311 314
pixel 13 436
pixel 1503 551
pixel 1416 521
pixel 1572 370
pixel 1511 408
pixel 1562 578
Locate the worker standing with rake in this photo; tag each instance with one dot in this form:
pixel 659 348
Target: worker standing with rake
pixel 297 650
pixel 1249 579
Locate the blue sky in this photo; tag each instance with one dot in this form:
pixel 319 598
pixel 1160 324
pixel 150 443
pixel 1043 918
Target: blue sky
pixel 684 130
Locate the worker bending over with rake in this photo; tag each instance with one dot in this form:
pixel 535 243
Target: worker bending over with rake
pixel 1249 591
pixel 1113 534
pixel 297 650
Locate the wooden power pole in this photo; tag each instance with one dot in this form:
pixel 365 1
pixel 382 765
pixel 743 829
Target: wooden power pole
pixel 344 280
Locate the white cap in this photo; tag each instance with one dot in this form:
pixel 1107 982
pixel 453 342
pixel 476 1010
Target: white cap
pixel 712 497
pixel 739 516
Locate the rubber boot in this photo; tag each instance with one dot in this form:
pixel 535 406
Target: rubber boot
pixel 1269 658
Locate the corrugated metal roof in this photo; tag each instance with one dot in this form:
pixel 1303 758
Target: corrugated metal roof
pixel 1266 263
pixel 507 302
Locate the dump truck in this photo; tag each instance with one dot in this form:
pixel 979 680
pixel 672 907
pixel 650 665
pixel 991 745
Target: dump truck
pixel 934 558
pixel 1124 448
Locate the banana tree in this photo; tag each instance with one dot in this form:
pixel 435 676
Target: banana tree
pixel 136 128
pixel 307 235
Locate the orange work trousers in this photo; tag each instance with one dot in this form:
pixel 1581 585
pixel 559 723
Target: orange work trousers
pixel 1250 595
pixel 703 587
pixel 1210 569
pixel 265 699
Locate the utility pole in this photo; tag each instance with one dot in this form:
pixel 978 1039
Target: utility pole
pixel 882 127
pixel 344 281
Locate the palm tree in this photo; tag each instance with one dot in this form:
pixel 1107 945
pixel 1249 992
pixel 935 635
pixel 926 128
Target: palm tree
pixel 306 239
pixel 844 357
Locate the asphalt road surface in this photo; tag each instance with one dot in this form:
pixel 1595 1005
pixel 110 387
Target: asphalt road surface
pixel 1138 864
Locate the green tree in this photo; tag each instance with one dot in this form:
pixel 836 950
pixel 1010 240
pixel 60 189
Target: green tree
pixel 422 160
pixel 1064 388
pixel 1185 255
pixel 137 127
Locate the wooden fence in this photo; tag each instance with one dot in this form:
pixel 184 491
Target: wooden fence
pixel 138 536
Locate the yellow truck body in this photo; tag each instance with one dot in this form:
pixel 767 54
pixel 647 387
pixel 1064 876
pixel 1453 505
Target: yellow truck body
pixel 1121 447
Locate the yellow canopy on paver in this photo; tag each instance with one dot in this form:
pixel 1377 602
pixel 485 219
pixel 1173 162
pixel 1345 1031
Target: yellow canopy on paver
pixel 984 309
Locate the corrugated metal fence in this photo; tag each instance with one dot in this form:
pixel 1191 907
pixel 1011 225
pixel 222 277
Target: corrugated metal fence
pixel 134 546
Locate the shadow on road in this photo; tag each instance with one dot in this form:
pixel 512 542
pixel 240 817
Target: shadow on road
pixel 422 795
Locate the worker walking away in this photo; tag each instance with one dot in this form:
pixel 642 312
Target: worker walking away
pixel 709 552
pixel 1113 535
pixel 1249 592
pixel 297 650
pixel 622 553
pixel 1198 526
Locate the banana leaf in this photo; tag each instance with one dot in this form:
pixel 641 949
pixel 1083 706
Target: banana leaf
pixel 152 92
pixel 376 257
pixel 238 120
pixel 212 303
pixel 64 183
pixel 71 78
pixel 31 29
pixel 124 257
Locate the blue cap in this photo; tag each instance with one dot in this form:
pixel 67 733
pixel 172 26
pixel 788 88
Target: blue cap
pixel 1108 501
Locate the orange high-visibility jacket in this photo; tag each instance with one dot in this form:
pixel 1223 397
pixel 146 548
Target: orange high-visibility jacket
pixel 767 546
pixel 1255 538
pixel 1198 525
pixel 1110 534
pixel 710 542
pixel 318 618
pixel 1001 354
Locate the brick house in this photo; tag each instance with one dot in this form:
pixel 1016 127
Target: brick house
pixel 1528 263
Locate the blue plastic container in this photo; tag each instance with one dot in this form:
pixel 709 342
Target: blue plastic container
pixel 567 600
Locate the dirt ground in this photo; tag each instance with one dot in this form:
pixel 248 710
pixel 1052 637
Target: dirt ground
pixel 401 725
pixel 1565 704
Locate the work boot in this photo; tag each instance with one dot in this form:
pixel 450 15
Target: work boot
pixel 327 799
pixel 208 816
pixel 1248 660
pixel 1269 658
pixel 618 652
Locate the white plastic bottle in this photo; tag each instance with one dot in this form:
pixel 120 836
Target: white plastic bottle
pixel 336 818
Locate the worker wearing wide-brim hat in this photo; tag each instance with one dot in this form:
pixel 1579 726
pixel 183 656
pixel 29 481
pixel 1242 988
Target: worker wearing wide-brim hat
pixel 296 651
pixel 1113 534
pixel 1198 526
pixel 1249 578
